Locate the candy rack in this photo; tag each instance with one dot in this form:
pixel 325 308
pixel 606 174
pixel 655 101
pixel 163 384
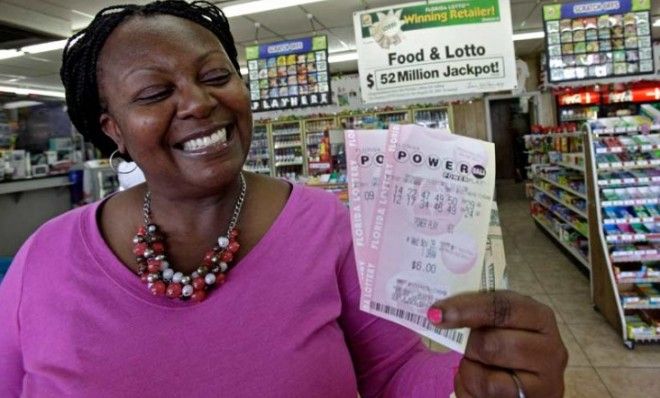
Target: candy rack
pixel 623 177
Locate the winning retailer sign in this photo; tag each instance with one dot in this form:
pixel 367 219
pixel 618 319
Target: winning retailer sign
pixel 423 50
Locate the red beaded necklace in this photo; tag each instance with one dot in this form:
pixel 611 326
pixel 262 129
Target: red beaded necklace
pixel 156 271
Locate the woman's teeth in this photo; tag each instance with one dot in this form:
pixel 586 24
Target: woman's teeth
pixel 218 137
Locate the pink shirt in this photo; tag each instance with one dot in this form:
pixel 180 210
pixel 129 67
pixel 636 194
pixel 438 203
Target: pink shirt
pixel 75 322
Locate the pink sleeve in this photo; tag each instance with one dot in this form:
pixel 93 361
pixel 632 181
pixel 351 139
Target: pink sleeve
pixel 389 360
pixel 11 359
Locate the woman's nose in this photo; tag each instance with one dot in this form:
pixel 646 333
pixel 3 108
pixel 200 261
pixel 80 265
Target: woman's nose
pixel 195 101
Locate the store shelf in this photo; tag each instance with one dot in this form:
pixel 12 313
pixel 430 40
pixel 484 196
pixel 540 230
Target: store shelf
pixel 636 220
pixel 257 170
pixel 561 202
pixel 571 166
pixel 630 202
pixel 644 306
pixel 33 184
pixel 630 148
pixel 636 165
pixel 624 130
pixel 628 181
pixel 284 164
pixel 574 252
pixel 626 238
pixel 286 134
pixel 564 219
pixel 561 135
pixel 626 281
pixel 285 146
pixel 582 195
pixel 633 257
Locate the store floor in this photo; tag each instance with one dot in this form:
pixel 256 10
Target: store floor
pixel 599 365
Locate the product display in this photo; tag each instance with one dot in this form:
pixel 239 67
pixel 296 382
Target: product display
pixel 583 44
pixel 624 169
pixel 558 191
pixel 287 149
pixel 259 157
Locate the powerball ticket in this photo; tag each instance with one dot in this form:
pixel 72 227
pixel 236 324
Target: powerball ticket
pixel 429 227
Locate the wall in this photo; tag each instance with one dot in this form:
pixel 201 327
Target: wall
pixel 470 119
pixel 21 214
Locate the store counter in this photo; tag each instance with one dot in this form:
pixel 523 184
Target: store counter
pixel 27 204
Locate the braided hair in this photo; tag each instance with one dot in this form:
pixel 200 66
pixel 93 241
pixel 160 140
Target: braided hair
pixel 81 54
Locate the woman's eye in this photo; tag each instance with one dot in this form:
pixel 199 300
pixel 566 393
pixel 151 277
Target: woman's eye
pixel 216 77
pixel 154 94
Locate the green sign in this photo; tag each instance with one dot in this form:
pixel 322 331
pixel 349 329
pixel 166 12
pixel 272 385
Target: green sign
pixel 459 12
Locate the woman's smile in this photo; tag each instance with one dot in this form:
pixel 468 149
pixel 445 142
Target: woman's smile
pixel 214 141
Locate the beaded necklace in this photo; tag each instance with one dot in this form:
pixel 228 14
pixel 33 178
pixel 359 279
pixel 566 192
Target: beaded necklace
pixel 156 271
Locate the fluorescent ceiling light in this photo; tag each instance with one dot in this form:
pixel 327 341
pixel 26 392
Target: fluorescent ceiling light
pixel 34 49
pixel 44 47
pixel 656 23
pixel 6 54
pixel 20 104
pixel 244 71
pixel 343 57
pixel 253 7
pixel 528 36
pixel 32 91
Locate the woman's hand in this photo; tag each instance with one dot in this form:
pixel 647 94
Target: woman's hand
pixel 510 333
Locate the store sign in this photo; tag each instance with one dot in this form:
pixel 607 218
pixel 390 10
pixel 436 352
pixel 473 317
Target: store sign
pixel 638 95
pixel 584 98
pixel 422 50
pixel 598 39
pixel 289 74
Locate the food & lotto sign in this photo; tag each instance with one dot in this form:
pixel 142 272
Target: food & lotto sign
pixel 419 50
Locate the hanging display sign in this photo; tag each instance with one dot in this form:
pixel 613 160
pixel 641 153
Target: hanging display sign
pixel 289 74
pixel 598 39
pixel 423 50
pixel 582 98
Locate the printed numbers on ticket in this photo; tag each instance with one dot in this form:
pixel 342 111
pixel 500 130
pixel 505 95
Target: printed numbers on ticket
pixel 429 227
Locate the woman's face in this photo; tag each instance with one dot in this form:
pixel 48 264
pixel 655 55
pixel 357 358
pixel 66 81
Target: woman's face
pixel 175 103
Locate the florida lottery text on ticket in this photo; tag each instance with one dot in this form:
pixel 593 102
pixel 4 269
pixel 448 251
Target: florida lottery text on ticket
pixel 429 227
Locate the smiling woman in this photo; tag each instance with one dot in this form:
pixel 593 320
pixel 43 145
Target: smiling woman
pixel 208 281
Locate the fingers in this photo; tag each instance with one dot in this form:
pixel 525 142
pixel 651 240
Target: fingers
pixel 477 380
pixel 459 389
pixel 500 309
pixel 511 349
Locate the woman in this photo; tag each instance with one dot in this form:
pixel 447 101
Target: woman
pixel 160 84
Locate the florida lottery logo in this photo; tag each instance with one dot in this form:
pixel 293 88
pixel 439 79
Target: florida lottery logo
pixel 386 31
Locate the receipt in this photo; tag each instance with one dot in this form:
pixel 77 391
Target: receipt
pixel 429 227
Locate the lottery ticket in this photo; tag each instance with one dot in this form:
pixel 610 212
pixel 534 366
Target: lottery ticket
pixel 492 273
pixel 365 155
pixel 429 227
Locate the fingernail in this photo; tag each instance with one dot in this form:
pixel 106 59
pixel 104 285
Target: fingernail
pixel 434 315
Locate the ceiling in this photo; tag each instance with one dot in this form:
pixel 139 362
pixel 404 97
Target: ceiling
pixel 44 20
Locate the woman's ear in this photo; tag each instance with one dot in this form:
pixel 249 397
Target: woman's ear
pixel 111 129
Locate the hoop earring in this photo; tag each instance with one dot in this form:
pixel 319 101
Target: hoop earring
pixel 115 165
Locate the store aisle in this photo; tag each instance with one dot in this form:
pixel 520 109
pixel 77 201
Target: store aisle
pixel 599 365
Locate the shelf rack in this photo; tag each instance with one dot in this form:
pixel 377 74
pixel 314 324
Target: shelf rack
pixel 611 251
pixel 548 155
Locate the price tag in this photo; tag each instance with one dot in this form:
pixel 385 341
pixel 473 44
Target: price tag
pixel 629 202
pixel 616 164
pixel 647 147
pixel 620 129
pixel 644 180
pixel 601 150
pixel 629 180
pixel 631 129
pixel 629 163
pixel 639 237
pixel 615 181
